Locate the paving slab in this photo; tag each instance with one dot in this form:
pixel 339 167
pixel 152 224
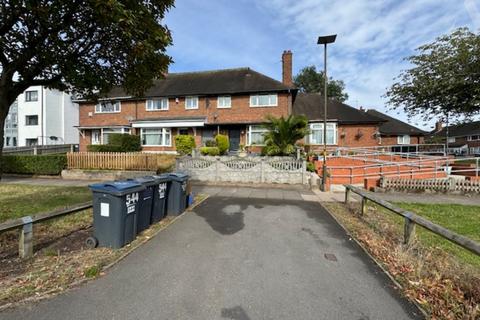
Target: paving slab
pixel 240 259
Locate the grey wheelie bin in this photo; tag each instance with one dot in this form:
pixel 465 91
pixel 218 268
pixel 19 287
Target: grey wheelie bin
pixel 146 202
pixel 115 209
pixel 160 193
pixel 177 194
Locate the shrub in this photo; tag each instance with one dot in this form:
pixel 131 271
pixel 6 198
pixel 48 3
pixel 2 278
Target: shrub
pixel 222 143
pixel 209 151
pixel 310 167
pixel 126 142
pixel 51 164
pixel 210 143
pixel 184 144
pixel 104 148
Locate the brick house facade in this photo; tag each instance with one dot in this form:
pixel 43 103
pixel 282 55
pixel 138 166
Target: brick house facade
pixel 463 139
pixel 234 102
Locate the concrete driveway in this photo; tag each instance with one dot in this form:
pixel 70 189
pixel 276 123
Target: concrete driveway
pixel 237 258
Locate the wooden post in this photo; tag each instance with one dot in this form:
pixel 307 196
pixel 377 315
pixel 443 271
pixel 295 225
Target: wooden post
pixel 408 231
pixel 347 195
pixel 25 245
pixel 364 205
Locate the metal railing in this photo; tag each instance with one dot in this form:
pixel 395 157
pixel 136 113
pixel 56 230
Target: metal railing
pixel 25 226
pixel 411 220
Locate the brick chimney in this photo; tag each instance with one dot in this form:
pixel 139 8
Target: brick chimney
pixel 438 126
pixel 287 68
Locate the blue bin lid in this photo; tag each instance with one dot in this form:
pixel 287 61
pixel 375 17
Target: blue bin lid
pixel 162 178
pixel 117 187
pixel 146 181
pixel 178 176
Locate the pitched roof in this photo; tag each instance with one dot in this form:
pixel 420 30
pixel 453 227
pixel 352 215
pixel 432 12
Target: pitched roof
pixel 460 130
pixel 394 126
pixel 311 105
pixel 226 81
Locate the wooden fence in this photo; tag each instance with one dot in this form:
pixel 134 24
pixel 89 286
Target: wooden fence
pixel 25 225
pixel 441 185
pixel 116 160
pixel 411 219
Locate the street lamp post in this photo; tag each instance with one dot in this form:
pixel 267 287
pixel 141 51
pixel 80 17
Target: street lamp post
pixel 325 40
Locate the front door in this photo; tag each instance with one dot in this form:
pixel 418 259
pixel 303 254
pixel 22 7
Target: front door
pixel 234 137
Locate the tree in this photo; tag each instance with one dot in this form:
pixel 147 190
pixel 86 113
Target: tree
pixel 81 46
pixel 283 133
pixel 312 81
pixel 444 80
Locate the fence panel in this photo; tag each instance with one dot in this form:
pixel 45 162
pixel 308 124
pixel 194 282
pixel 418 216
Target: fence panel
pixel 285 170
pixel 115 160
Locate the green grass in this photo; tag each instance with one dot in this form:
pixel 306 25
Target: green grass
pixel 462 219
pixel 17 200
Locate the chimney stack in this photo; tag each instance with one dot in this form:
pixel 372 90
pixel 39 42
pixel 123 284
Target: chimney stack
pixel 438 126
pixel 287 65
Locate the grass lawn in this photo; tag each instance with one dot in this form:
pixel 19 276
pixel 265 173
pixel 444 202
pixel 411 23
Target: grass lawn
pixel 462 219
pixel 18 200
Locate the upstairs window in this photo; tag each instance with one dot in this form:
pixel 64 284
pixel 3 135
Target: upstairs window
pixel 157 104
pixel 224 102
pixel 191 103
pixel 405 139
pixel 31 96
pixel 473 138
pixel 108 107
pixel 451 139
pixel 263 100
pixel 31 120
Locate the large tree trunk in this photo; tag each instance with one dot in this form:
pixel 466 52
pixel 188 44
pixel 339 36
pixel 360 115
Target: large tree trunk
pixel 5 103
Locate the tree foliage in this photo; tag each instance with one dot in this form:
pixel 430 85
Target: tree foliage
pixel 312 81
pixel 283 133
pixel 444 80
pixel 83 46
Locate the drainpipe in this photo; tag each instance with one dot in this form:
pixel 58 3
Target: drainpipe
pixel 42 126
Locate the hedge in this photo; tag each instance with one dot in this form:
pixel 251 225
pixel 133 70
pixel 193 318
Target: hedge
pixel 126 142
pixel 210 151
pixel 51 164
pixel 104 148
pixel 222 143
pixel 184 144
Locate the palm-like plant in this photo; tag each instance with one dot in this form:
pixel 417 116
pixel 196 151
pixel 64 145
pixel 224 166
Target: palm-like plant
pixel 283 133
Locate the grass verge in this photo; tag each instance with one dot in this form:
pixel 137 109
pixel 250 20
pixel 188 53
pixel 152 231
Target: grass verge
pixel 65 263
pixel 445 286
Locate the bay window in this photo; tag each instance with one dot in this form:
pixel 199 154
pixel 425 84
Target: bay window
pixel 106 132
pixel 316 133
pixel 255 135
pixel 156 137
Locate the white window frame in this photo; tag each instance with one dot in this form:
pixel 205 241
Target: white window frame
pixel 224 106
pixel 192 98
pixel 451 139
pixel 255 129
pixel 470 138
pixel 164 132
pixel 112 130
pixel 403 139
pixel 319 127
pixel 255 100
pixel 98 108
pixel 32 116
pixel 150 104
pixel 96 137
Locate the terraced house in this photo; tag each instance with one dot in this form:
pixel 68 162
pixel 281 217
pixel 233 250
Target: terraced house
pixel 234 102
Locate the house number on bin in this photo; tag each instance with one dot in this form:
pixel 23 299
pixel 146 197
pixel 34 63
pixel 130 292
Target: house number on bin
pixel 132 199
pixel 162 188
pixel 184 186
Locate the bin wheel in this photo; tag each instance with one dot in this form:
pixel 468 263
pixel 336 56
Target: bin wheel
pixel 91 242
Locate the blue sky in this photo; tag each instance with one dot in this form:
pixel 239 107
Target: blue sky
pixel 373 37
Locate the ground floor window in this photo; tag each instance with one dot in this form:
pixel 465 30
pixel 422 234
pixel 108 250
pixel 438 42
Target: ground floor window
pixel 256 135
pixel 102 136
pixel 316 133
pixel 31 142
pixel 405 139
pixel 475 150
pixel 156 137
